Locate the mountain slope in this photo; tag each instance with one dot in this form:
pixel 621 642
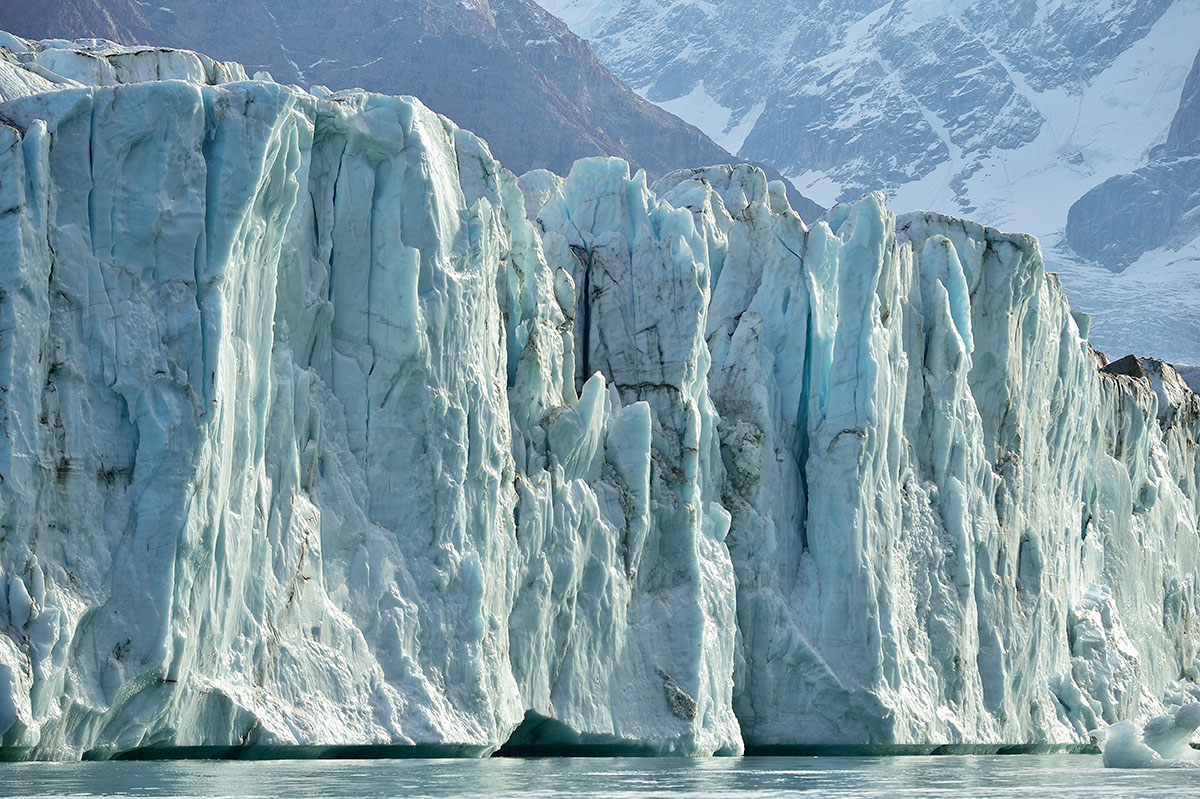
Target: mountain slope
pixel 1156 206
pixel 870 93
pixel 1006 111
pixel 117 20
pixel 506 69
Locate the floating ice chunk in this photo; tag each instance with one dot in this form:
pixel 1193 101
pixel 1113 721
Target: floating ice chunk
pixel 1122 747
pixel 1164 742
pixel 1171 735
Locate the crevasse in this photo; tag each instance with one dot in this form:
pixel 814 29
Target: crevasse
pixel 323 429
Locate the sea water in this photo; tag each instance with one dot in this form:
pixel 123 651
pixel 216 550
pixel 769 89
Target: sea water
pixel 979 777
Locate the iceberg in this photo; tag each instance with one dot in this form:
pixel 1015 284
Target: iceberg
pixel 322 429
pixel 1163 743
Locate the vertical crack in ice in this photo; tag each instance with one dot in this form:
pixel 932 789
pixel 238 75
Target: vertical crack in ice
pixel 586 258
pixel 802 434
pixel 91 197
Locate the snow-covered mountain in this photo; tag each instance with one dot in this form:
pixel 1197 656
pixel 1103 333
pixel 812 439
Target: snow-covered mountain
pixel 321 428
pixel 1009 111
pixel 1157 206
pixel 504 68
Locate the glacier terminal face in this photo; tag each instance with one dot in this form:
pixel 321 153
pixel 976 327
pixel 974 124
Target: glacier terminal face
pixel 323 429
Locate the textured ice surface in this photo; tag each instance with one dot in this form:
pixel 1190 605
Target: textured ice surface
pixel 322 428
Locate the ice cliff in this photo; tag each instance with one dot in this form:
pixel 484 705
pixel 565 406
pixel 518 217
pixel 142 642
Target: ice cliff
pixel 321 428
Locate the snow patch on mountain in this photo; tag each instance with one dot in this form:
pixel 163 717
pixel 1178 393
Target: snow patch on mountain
pixel 699 109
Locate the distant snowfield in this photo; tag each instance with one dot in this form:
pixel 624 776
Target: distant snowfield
pixel 581 14
pixel 1154 307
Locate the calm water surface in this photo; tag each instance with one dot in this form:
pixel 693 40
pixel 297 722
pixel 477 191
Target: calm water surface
pixel 1024 776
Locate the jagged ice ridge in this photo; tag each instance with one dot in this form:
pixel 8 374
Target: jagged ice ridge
pixel 322 428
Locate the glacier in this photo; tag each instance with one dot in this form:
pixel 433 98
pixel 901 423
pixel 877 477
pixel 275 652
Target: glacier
pixel 322 429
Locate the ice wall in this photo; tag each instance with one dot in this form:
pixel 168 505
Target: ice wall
pixel 323 429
